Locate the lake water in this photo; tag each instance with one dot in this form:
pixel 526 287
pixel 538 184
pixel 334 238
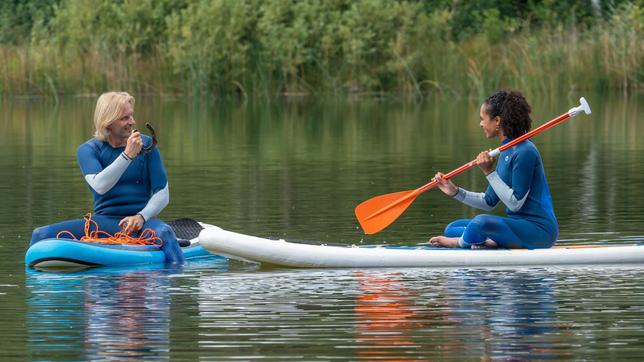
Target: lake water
pixel 296 169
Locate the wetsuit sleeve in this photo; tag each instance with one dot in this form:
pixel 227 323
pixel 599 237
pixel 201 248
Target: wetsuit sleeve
pixel 157 203
pixel 474 199
pixel 99 179
pixel 159 185
pixel 491 197
pixel 514 196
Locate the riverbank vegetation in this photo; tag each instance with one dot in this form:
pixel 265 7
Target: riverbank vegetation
pixel 274 47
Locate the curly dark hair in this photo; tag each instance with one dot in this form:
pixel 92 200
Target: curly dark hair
pixel 514 111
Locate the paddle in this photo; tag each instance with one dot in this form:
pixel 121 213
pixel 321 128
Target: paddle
pixel 379 212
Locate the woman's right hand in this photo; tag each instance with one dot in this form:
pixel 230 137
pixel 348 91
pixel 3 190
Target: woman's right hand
pixel 447 186
pixel 134 144
pixel 486 162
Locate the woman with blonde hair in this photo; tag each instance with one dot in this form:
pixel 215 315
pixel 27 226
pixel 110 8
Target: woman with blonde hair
pixel 125 175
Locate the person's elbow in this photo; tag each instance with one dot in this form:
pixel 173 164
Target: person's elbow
pixel 99 187
pixel 164 196
pixel 165 200
pixel 489 204
pixel 99 190
pixel 514 208
pixel 488 207
pixel 515 205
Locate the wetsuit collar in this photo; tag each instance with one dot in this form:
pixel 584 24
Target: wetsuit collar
pixel 506 140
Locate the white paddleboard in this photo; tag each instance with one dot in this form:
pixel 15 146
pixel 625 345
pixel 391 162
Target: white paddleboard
pixel 283 253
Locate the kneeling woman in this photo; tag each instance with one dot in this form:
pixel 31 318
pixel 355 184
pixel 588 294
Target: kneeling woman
pixel 519 182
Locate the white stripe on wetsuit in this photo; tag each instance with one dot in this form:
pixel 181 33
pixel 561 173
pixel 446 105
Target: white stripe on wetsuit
pixel 505 193
pixel 473 199
pixel 103 181
pixel 156 204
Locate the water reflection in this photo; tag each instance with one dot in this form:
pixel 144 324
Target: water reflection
pixel 508 313
pixel 105 313
pixel 97 317
pixel 387 318
pixel 127 316
pixel 411 315
pixel 55 319
pixel 487 316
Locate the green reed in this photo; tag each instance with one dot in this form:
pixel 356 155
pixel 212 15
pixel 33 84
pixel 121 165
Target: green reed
pixel 339 47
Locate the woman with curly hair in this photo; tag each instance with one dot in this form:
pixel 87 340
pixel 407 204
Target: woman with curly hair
pixel 518 181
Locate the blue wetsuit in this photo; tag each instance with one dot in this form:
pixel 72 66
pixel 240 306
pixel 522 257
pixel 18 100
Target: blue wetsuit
pixel 121 187
pixel 519 181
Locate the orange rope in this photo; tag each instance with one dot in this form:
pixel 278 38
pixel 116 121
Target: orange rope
pixel 146 237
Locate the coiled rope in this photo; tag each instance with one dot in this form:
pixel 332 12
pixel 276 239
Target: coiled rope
pixel 146 237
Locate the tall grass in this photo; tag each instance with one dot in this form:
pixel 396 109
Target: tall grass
pixel 220 47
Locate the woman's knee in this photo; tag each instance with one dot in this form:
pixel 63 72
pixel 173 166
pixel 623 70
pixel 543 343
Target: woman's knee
pixel 483 219
pixel 486 223
pixel 165 232
pixel 478 230
pixel 456 228
pixel 173 253
pixel 40 233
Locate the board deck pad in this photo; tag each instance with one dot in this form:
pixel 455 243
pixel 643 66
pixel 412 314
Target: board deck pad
pixel 186 229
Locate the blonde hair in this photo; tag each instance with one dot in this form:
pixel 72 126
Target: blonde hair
pixel 109 107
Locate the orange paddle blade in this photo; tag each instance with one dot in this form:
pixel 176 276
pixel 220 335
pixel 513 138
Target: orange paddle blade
pixel 379 212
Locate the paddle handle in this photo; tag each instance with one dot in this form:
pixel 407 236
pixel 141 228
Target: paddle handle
pixel 583 107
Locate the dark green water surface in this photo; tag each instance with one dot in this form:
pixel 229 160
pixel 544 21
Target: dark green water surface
pixel 295 170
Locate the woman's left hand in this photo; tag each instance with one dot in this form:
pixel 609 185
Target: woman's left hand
pixel 131 224
pixel 485 162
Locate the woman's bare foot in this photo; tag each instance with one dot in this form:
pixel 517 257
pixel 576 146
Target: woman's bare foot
pixel 443 241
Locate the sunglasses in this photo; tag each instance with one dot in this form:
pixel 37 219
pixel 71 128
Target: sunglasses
pixel 154 139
